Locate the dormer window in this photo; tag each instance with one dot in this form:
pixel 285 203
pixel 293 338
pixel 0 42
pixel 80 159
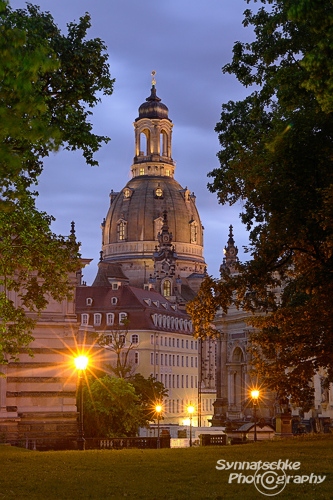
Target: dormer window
pixel 122 318
pixel 109 319
pixel 84 319
pixel 89 301
pixel 114 300
pixel 97 319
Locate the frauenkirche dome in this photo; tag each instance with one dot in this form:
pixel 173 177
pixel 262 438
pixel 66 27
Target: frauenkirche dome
pixel 153 199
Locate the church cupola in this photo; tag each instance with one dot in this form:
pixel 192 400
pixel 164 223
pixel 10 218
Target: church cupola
pixel 153 132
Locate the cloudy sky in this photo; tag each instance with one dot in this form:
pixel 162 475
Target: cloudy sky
pixel 186 42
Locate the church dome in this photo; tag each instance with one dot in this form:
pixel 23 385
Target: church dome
pixel 153 107
pixel 131 230
pixel 139 209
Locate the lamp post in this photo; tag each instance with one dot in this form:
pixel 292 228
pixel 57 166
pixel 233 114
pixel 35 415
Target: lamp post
pixel 158 410
pixel 255 397
pixel 81 363
pixel 190 410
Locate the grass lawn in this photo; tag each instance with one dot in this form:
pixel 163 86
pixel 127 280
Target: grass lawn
pixel 170 474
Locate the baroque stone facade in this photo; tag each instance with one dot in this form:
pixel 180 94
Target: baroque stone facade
pixel 233 374
pixel 38 393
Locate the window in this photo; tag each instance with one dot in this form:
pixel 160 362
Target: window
pixel 191 361
pixel 161 340
pixel 122 339
pixel 151 358
pixel 166 360
pixel 173 360
pixel 136 358
pixel 196 362
pixel 122 317
pixel 170 360
pixel 97 319
pixel 186 360
pixel 177 360
pixel 182 360
pixel 161 359
pixel 177 342
pixel 191 344
pixel 109 319
pixel 169 341
pixel 141 171
pixel 173 342
pixel 183 343
pixel 186 381
pixel 134 338
pixel 122 230
pixel 152 339
pixel 84 319
pixel 89 301
pixel 114 286
pixel 194 232
pixel 186 344
pixel 177 382
pixel 114 300
pixel 156 358
pixel 167 288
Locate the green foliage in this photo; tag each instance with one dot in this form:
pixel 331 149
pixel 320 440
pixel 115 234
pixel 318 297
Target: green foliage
pixel 276 159
pixel 48 82
pixel 115 407
pixel 150 392
pixel 111 408
pixel 34 266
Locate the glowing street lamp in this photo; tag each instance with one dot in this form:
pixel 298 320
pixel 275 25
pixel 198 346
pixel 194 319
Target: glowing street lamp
pixel 255 396
pixel 190 410
pixel 158 410
pixel 81 363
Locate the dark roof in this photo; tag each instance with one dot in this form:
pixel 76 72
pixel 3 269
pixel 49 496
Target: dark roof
pixel 108 271
pixel 153 107
pixel 139 304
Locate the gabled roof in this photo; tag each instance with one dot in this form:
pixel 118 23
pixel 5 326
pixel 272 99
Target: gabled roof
pixel 139 304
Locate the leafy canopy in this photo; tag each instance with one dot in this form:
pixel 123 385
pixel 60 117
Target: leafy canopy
pixel 276 159
pixel 48 83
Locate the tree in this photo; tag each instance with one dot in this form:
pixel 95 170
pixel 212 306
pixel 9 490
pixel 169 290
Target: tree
pixel 47 82
pixel 276 159
pixel 111 408
pixel 116 341
pixel 150 392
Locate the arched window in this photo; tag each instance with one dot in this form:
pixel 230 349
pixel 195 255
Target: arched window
pixel 144 145
pixel 122 230
pixel 97 319
pixel 84 319
pixel 194 232
pixel 109 319
pixel 167 288
pixel 122 318
pixel 163 144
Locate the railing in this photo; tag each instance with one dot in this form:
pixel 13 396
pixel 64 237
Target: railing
pixel 132 442
pixel 213 439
